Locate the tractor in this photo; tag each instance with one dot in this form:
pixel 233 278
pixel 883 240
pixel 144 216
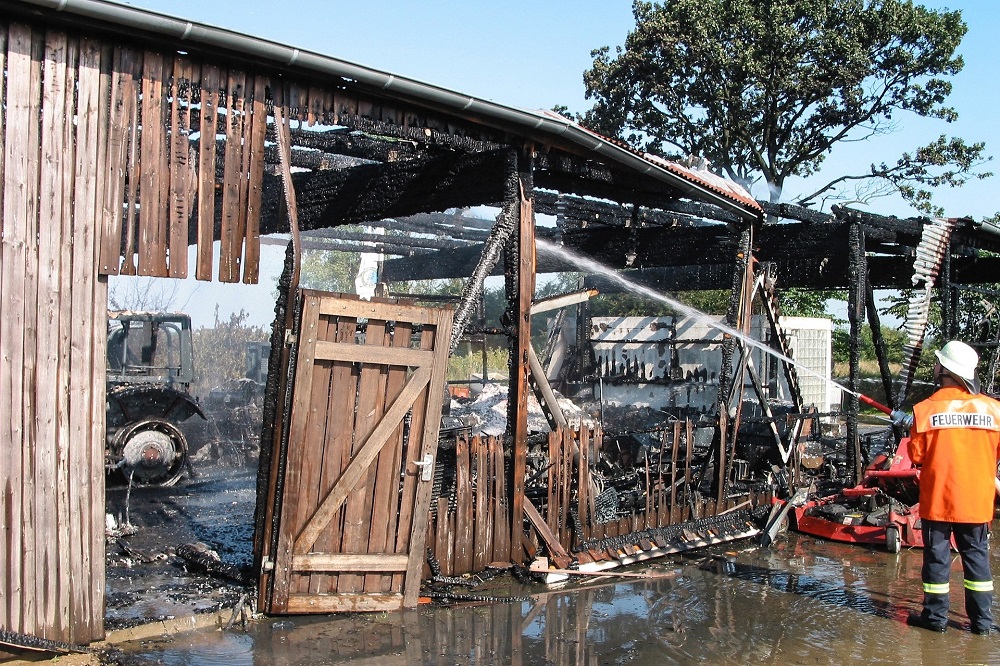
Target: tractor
pixel 150 370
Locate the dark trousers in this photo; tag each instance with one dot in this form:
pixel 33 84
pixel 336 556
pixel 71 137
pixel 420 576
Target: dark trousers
pixel 972 540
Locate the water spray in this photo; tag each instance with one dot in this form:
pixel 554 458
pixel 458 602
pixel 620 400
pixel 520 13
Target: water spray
pixel 596 267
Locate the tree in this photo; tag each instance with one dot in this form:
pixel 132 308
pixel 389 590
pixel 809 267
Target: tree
pixel 146 294
pixel 766 88
pixel 220 352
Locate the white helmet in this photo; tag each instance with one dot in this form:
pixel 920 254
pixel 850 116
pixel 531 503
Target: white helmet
pixel 960 360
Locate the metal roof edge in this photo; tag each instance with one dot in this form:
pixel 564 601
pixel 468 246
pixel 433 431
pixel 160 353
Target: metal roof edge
pixel 281 54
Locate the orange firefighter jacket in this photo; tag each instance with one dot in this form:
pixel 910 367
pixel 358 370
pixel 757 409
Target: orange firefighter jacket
pixel 955 439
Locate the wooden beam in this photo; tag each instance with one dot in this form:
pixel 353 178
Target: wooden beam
pixel 521 369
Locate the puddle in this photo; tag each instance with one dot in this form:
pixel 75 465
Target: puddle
pixel 801 602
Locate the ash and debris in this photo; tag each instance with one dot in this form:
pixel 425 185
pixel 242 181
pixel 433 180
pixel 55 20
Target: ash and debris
pixel 486 411
pixel 181 550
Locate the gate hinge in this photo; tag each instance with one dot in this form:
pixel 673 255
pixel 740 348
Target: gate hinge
pixel 289 337
pixel 267 565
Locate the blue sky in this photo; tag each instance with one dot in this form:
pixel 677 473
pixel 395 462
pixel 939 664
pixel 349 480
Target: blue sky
pixel 533 54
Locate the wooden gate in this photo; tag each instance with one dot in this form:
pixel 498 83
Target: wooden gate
pixel 354 488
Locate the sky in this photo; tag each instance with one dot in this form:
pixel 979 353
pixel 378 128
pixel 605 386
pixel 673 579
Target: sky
pixel 532 54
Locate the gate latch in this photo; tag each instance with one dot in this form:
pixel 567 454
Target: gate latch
pixel 427 467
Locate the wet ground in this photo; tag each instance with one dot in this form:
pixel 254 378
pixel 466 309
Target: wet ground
pixel 146 578
pixel 802 601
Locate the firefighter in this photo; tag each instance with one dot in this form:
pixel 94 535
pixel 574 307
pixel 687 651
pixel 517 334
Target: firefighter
pixel 955 440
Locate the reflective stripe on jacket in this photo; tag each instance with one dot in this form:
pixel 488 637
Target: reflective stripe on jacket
pixel 955 440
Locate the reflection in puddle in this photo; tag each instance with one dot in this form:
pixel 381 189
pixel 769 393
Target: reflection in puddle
pixel 803 601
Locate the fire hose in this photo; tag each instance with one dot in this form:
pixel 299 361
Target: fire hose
pixel 902 418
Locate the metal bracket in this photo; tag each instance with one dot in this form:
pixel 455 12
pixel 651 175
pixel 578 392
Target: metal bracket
pixel 426 466
pixel 289 337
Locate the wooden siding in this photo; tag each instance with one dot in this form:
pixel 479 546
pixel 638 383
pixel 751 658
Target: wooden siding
pixel 52 334
pixel 162 179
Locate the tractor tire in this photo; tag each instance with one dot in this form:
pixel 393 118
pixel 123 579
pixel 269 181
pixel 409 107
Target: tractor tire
pixel 892 540
pixel 151 452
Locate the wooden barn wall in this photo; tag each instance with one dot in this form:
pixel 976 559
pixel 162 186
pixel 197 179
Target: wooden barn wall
pixel 52 334
pixel 163 190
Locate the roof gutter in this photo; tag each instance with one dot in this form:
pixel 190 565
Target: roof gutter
pixel 280 54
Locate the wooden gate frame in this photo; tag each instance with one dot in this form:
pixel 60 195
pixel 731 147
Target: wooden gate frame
pixel 301 525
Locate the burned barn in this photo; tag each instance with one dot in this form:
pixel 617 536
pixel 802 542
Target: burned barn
pixel 130 136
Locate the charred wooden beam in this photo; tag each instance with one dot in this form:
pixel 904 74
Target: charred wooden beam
pixel 879 342
pixel 855 315
pixel 520 284
pixel 788 211
pixel 386 246
pixel 456 230
pixel 577 212
pixel 379 191
pixel 488 254
pixel 677 278
pixel 338 233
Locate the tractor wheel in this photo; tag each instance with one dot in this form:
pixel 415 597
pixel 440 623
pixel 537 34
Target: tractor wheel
pixel 892 541
pixel 153 452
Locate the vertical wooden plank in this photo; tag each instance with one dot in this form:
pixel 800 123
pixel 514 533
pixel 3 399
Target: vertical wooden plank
pixel 336 453
pixel 73 539
pixel 133 171
pixel 525 294
pixel 686 511
pixel 501 511
pixel 313 445
pixel 258 128
pixel 152 215
pixel 488 486
pixel 382 535
pixel 411 472
pixel 371 403
pixel 116 149
pixel 441 537
pixel 206 169
pixel 88 356
pixel 230 247
pixel 551 499
pixel 565 535
pixel 180 130
pixel 441 325
pixel 583 484
pixel 463 509
pixel 720 467
pixel 193 71
pixel 17 251
pixel 481 553
pixel 34 316
pixel 661 494
pixel 163 166
pixel 296 459
pixel 673 473
pixel 48 456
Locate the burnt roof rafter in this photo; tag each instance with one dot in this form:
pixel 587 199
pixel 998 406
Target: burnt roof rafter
pixel 374 192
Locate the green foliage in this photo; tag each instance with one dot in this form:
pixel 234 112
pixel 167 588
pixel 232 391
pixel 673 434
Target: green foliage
pixel 468 361
pixel 329 271
pixel 893 341
pixel 220 352
pixel 765 89
pixel 796 302
pixel 712 302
